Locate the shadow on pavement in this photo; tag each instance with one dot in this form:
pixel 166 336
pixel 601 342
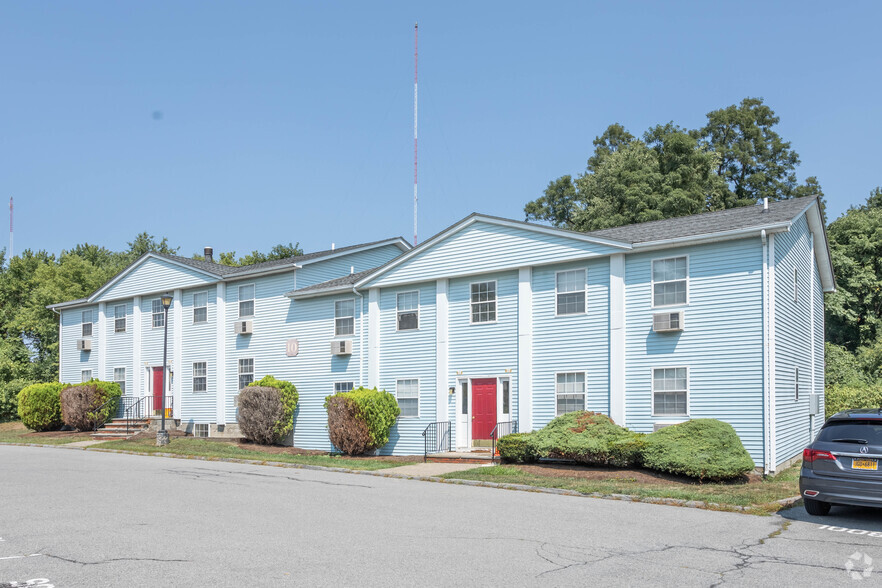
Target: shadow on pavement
pixel 852 517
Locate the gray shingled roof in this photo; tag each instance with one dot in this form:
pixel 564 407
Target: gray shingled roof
pixel 335 284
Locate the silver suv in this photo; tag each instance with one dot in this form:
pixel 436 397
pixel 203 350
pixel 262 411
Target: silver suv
pixel 842 465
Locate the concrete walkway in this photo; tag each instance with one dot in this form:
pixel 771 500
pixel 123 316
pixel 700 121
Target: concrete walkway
pixel 433 469
pixel 85 443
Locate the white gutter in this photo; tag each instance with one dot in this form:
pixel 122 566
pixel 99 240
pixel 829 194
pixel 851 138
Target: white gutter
pixel 712 237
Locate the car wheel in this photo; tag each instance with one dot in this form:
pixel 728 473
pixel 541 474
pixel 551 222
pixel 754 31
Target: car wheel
pixel 816 507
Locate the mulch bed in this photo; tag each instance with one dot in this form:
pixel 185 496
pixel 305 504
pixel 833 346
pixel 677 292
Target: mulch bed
pixel 297 451
pixel 639 476
pixel 83 435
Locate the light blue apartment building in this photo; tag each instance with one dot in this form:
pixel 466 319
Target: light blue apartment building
pixel 718 315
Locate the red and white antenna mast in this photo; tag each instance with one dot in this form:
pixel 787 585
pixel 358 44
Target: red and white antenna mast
pixel 415 70
pixel 11 252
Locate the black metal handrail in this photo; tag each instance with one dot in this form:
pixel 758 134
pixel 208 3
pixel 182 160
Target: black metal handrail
pixel 110 413
pixel 135 412
pixel 436 438
pixel 133 409
pixel 499 431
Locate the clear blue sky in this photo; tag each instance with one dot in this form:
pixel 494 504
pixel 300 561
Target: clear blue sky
pixel 292 121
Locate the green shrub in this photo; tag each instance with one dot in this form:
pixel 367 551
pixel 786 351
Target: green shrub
pixel 266 410
pixel 843 397
pixel 706 449
pixel 360 420
pixel 39 406
pixel 517 448
pixel 590 438
pixel 86 406
pixel 9 399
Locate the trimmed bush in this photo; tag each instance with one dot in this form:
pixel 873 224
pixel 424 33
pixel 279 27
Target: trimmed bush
pixel 39 406
pixel 86 406
pixel 839 397
pixel 589 438
pixel 706 449
pixel 360 420
pixel 517 448
pixel 263 429
pixel 9 399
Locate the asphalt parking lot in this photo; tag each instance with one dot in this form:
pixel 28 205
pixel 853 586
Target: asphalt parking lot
pixel 88 518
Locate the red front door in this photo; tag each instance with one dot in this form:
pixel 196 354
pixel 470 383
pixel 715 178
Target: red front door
pixel 157 390
pixel 483 408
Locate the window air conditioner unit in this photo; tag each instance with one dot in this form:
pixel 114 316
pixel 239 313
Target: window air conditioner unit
pixel 667 322
pixel 243 328
pixel 84 345
pixel 341 347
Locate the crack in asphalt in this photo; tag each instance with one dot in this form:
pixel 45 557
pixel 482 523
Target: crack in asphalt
pixel 112 560
pixel 214 476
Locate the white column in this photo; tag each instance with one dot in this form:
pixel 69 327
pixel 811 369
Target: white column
pixel 617 338
pixel 102 341
pixel 773 450
pixel 178 351
pixel 811 275
pixel 525 349
pixel 137 369
pixel 221 353
pixel 374 338
pixel 60 346
pixel 441 356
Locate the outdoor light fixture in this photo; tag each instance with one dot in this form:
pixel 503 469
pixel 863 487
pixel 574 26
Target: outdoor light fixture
pixel 452 390
pixel 162 434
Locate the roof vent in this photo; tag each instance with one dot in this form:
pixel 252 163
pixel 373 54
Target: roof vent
pixel 333 246
pixel 351 269
pixel 209 255
pixel 765 204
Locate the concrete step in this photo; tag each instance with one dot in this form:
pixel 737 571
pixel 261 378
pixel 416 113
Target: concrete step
pixel 478 457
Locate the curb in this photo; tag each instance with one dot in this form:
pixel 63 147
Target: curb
pixel 784 503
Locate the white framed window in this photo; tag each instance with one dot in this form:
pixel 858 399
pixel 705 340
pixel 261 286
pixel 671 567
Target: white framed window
pixel 246 300
pixel 158 315
pixel 343 387
pixel 119 318
pixel 670 391
pixel 407 392
pixel 483 302
pixel 344 317
pixel 85 376
pixel 200 307
pixel 200 376
pixel 408 305
pixel 200 429
pixel 570 291
pixel 795 284
pixel 569 390
pixel 246 372
pixel 119 376
pixel 796 384
pixel 87 323
pixel 670 281
pixel 506 396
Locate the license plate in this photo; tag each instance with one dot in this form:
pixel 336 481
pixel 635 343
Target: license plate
pixel 864 464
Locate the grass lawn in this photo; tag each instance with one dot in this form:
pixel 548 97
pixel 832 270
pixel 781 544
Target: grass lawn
pixel 759 495
pixel 220 448
pixel 15 432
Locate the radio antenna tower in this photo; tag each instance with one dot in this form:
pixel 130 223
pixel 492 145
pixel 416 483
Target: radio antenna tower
pixel 11 252
pixel 415 70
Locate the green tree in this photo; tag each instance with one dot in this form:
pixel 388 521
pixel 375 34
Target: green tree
pixel 280 251
pixel 144 242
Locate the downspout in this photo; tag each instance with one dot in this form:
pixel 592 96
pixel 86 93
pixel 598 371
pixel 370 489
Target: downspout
pixel 766 402
pixel 360 336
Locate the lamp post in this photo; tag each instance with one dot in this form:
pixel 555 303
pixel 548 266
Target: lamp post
pixel 162 434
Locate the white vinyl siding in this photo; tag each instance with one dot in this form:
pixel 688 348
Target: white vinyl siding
pixel 670 390
pixel 119 376
pixel 85 375
pixel 570 290
pixel 246 301
pixel 570 392
pixel 200 307
pixel 87 323
pixel 246 372
pixel 483 302
pixel 158 316
pixel 119 318
pixel 344 317
pixel 408 304
pixel 670 281
pixel 343 387
pixel 200 376
pixel 408 394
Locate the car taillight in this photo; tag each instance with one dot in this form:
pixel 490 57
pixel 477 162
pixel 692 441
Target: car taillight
pixel 810 455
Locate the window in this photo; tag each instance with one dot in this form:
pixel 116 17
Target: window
pixel 669 281
pixel 571 292
pixel 246 300
pixel 119 318
pixel 200 429
pixel 408 310
pixel 246 372
pixel 796 383
pixel 464 386
pixel 343 387
pixel 200 307
pixel 505 396
pixel 344 317
pixel 87 323
pixel 408 394
pixel 669 391
pixel 570 392
pixel 484 302
pixel 795 284
pixel 158 316
pixel 85 375
pixel 200 378
pixel 119 376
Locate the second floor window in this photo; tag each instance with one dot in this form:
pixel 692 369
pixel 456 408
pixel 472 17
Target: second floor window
pixel 200 307
pixel 87 323
pixel 483 302
pixel 669 281
pixel 158 316
pixel 246 300
pixel 571 292
pixel 119 318
pixel 408 310
pixel 344 318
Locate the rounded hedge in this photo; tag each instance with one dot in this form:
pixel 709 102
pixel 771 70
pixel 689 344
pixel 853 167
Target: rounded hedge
pixel 706 449
pixel 517 448
pixel 266 410
pixel 360 420
pixel 39 406
pixel 86 406
pixel 9 399
pixel 589 438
